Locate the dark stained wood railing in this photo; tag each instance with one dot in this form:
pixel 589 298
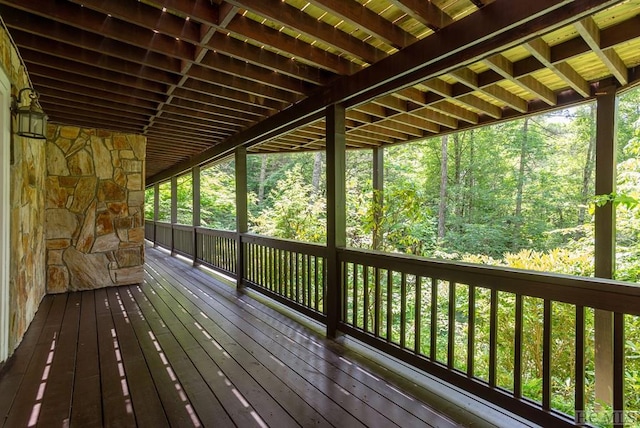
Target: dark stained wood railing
pixel 493 331
pixel 149 230
pixel 164 235
pixel 291 272
pixel 183 240
pixel 217 249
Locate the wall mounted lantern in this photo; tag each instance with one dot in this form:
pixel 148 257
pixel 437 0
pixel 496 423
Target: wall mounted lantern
pixel 32 121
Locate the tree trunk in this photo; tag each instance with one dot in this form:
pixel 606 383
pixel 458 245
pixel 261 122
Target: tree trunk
pixel 263 175
pixel 523 161
pixel 442 210
pixel 458 198
pixel 317 171
pixel 470 178
pixel 588 165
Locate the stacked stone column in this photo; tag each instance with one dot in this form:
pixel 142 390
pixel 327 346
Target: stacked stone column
pixel 94 208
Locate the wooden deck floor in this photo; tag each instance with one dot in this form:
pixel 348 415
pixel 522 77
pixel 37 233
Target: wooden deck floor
pixel 185 350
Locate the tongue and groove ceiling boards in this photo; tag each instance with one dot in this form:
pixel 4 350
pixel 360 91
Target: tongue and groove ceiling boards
pixel 198 77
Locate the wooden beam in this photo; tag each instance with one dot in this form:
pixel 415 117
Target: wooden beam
pixel 291 17
pixel 501 65
pixel 605 236
pixel 50 47
pixel 280 42
pixel 364 18
pixel 424 12
pixel 501 25
pixel 221 42
pixel 482 105
pixel 222 103
pixel 436 117
pixel 145 16
pixel 101 24
pixel 470 79
pixel 223 63
pixel 70 72
pixel 542 52
pixel 455 111
pixel 211 89
pixel 590 32
pixel 241 84
pixel 336 214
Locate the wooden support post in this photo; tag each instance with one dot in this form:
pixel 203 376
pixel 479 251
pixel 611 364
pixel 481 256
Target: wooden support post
pixel 336 212
pixel 605 236
pixel 156 210
pixel 242 223
pixel 195 205
pixel 378 196
pixel 174 208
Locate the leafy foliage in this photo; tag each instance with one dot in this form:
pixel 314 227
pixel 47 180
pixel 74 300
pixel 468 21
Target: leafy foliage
pixel 519 194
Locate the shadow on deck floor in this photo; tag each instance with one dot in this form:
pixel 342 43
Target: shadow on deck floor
pixel 184 349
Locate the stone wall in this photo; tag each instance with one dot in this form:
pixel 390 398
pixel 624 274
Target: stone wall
pixel 28 173
pixel 94 208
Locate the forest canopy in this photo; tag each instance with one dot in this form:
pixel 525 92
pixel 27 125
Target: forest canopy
pixel 517 194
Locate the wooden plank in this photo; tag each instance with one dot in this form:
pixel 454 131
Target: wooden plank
pixel 284 394
pixel 16 367
pixel 145 401
pixel 365 385
pixel 229 381
pixel 28 400
pixel 305 354
pixel 87 401
pixel 56 403
pixel 116 401
pixel 178 410
pixel 192 387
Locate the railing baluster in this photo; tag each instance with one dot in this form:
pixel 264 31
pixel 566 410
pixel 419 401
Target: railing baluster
pixel 377 303
pixel 471 329
pixel 308 302
pixel 517 345
pixel 316 286
pixel 345 291
pixel 297 269
pixel 403 309
pixel 579 375
pixel 354 296
pixel 365 290
pixel 434 319
pixel 546 356
pixel 418 315
pixel 389 304
pixel 305 278
pixel 493 330
pixel 452 325
pixel 618 368
pixel 263 265
pixel 280 278
pixel 272 285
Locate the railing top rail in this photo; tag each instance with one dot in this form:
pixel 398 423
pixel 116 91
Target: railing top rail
pixel 318 250
pixel 597 293
pixel 216 232
pixel 183 227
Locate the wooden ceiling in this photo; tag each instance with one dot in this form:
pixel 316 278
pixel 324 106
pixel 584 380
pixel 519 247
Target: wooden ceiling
pixel 199 77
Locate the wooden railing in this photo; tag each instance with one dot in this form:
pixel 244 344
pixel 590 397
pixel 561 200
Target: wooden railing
pixel 217 249
pixel 183 240
pixel 149 230
pixel 164 235
pixel 499 333
pixel 291 272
